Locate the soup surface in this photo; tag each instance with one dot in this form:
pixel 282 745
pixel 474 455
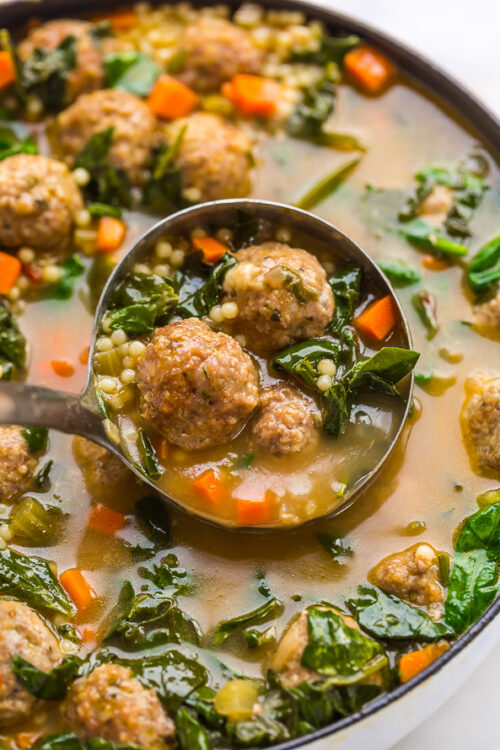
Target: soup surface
pixel 107 127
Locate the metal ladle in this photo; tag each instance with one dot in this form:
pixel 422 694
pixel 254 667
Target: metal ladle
pixel 35 406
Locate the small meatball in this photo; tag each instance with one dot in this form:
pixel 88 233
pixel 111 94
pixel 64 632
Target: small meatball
pixel 22 632
pixel 284 423
pixel 276 307
pixel 197 387
pixel 216 50
pixel 412 574
pixel 135 130
pixel 436 207
pixel 17 464
pixel 288 655
pixel 110 703
pixel 214 157
pixel 480 421
pixel 38 203
pixel 105 476
pixel 487 316
pixel 88 73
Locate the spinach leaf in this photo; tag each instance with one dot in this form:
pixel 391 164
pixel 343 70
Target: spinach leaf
pixel 163 190
pixel 346 288
pixel 190 732
pixel 334 649
pixel 389 618
pixel 107 184
pixel 426 306
pixel 336 408
pixel 12 344
pixel 44 74
pixel 331 49
pixel 399 273
pixel 149 466
pixel 302 359
pixel 134 319
pixel 154 519
pixel 383 370
pixel 270 608
pixel 201 302
pixel 260 638
pixel 72 268
pixel 201 700
pixel 42 480
pixel 421 233
pixel 36 438
pixel 145 288
pixel 285 277
pixel 473 580
pixel 336 546
pixel 316 106
pixel 101 30
pixel 484 268
pixel 131 71
pixel 15 139
pixel 96 210
pixel 32 580
pixel 319 704
pixel 47 686
pixel 69 741
pixel 326 185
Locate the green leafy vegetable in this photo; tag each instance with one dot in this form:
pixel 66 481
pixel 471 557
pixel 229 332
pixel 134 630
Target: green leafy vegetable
pixel 260 638
pixel 484 268
pixel 326 185
pixel 421 233
pixel 72 268
pixel 331 49
pixel 201 302
pixel 96 210
pixel 285 277
pixel 163 190
pixel 473 580
pixel 336 546
pixel 69 741
pixel 190 732
pixel 15 139
pixel 32 580
pixel 47 686
pixel 426 306
pixel 316 106
pixel 149 466
pixel 107 184
pixel 399 273
pixel 133 319
pixel 131 71
pixel 383 370
pixel 389 618
pixel 154 519
pixel 36 438
pixel 334 649
pixel 302 359
pixel 42 479
pixel 346 288
pixel 12 345
pixel 270 608
pixel 44 74
pixel 141 300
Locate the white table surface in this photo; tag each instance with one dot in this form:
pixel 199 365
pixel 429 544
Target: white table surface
pixel 462 38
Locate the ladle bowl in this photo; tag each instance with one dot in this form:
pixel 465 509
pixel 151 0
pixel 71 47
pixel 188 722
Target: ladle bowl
pixel 35 406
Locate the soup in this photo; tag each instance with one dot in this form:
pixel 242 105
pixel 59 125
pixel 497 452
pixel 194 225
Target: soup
pixel 124 622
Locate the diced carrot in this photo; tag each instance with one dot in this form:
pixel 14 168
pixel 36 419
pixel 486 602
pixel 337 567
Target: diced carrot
pixel 83 357
pixel 81 592
pixel 170 99
pixel 87 634
pixel 254 511
pixel 211 248
pixel 368 69
pixel 62 367
pixel 10 268
pixel 252 95
pixel 110 234
pixel 25 740
pixel 7 69
pixel 210 487
pixel 105 520
pixel 32 272
pixel 120 20
pixel 435 264
pixel 416 661
pixel 378 319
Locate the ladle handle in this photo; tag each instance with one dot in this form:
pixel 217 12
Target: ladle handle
pixel 33 406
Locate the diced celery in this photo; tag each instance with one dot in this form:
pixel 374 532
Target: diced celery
pixel 32 524
pixel 109 363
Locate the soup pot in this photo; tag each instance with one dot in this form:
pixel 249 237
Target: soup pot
pixel 385 721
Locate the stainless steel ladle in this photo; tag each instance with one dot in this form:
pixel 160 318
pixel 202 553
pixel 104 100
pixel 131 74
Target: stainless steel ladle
pixel 35 406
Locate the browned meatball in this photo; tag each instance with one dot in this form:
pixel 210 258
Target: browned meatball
pixel 412 574
pixel 135 129
pixel 282 295
pixel 216 50
pixel 22 632
pixel 106 477
pixel 197 387
pixel 214 157
pixel 480 420
pixel 285 421
pixel 17 464
pixel 38 202
pixel 88 73
pixel 110 703
pixel 487 316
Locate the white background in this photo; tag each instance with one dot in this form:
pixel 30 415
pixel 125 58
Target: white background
pixel 463 37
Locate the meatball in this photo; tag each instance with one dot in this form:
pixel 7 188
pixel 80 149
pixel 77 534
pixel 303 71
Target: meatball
pixel 88 73
pixel 288 655
pixel 282 295
pixel 105 476
pixel 17 464
pixel 110 703
pixel 197 387
pixel 38 202
pixel 135 130
pixel 412 574
pixel 487 315
pixel 284 423
pixel 214 157
pixel 480 420
pixel 215 51
pixel 22 632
